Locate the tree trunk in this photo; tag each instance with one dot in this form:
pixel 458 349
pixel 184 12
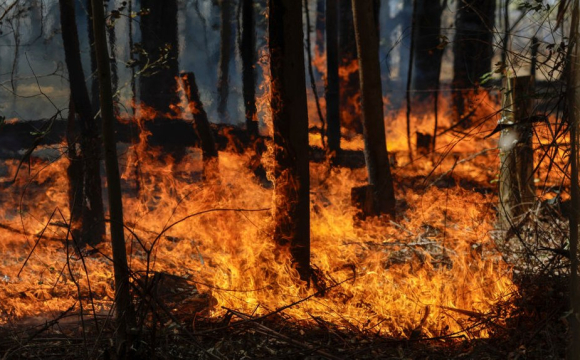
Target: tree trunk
pixel 93 226
pixel 319 26
pixel 472 49
pixel 201 126
pixel 124 306
pixel 159 38
pixel 427 54
pixel 290 119
pixel 94 82
pixel 516 187
pixel 74 173
pixel 225 58
pixel 248 53
pixel 350 117
pixel 332 80
pixel 573 99
pixel 376 157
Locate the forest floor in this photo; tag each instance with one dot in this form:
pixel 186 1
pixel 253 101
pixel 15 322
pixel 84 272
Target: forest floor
pixel 536 329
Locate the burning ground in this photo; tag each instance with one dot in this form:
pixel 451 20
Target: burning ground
pixel 205 247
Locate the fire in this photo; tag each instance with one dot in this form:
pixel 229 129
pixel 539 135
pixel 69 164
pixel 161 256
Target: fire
pixel 434 271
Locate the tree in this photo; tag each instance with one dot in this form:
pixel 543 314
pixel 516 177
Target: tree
pixel 472 49
pixel 159 40
pixel 332 79
pixel 124 306
pixel 377 162
pixel 428 52
pixel 350 116
pixel 573 101
pixel 290 120
pixel 248 53
pixel 225 58
pixel 88 172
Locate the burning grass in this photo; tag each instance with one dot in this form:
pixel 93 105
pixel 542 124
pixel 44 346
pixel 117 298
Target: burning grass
pixel 432 273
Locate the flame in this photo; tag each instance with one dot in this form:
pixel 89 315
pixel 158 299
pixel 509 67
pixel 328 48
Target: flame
pixel 433 271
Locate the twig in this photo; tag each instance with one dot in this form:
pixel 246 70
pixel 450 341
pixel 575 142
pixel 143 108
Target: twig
pixel 469 158
pixel 267 331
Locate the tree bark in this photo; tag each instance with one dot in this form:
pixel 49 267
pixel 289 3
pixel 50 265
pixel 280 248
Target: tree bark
pixel 159 38
pixel 248 53
pixel 201 126
pixel 472 49
pixel 225 58
pixel 427 53
pixel 124 309
pixel 93 226
pixel 332 79
pixel 573 99
pixel 376 157
pixel 290 119
pixel 516 186
pixel 350 117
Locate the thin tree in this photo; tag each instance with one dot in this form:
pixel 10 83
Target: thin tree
pixel 159 39
pixel 248 53
pixel 472 49
pixel 332 79
pixel 428 52
pixel 223 86
pixel 573 101
pixel 290 120
pixel 93 227
pixel 377 162
pixel 124 308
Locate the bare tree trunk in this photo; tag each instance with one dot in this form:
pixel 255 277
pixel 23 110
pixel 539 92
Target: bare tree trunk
pixel 124 309
pixel 290 118
pixel 75 175
pixel 516 186
pixel 93 226
pixel 350 117
pixel 202 126
pixel 319 28
pixel 573 101
pixel 332 80
pixel 248 53
pixel 427 52
pixel 472 49
pixel 376 157
pixel 159 38
pixel 225 58
pixel 94 83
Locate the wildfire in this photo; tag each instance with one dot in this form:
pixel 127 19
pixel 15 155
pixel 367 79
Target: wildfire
pixel 435 271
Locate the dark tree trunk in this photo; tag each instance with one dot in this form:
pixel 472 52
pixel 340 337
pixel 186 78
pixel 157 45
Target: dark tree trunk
pixel 405 18
pixel 248 53
pixel 201 126
pixel 93 226
pixel 114 75
pixel 290 118
pixel 332 80
pixel 74 174
pixel 319 28
pixel 225 58
pixel 124 307
pixel 427 53
pixel 516 185
pixel 376 157
pixel 472 48
pixel 159 38
pixel 350 116
pixel 94 82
